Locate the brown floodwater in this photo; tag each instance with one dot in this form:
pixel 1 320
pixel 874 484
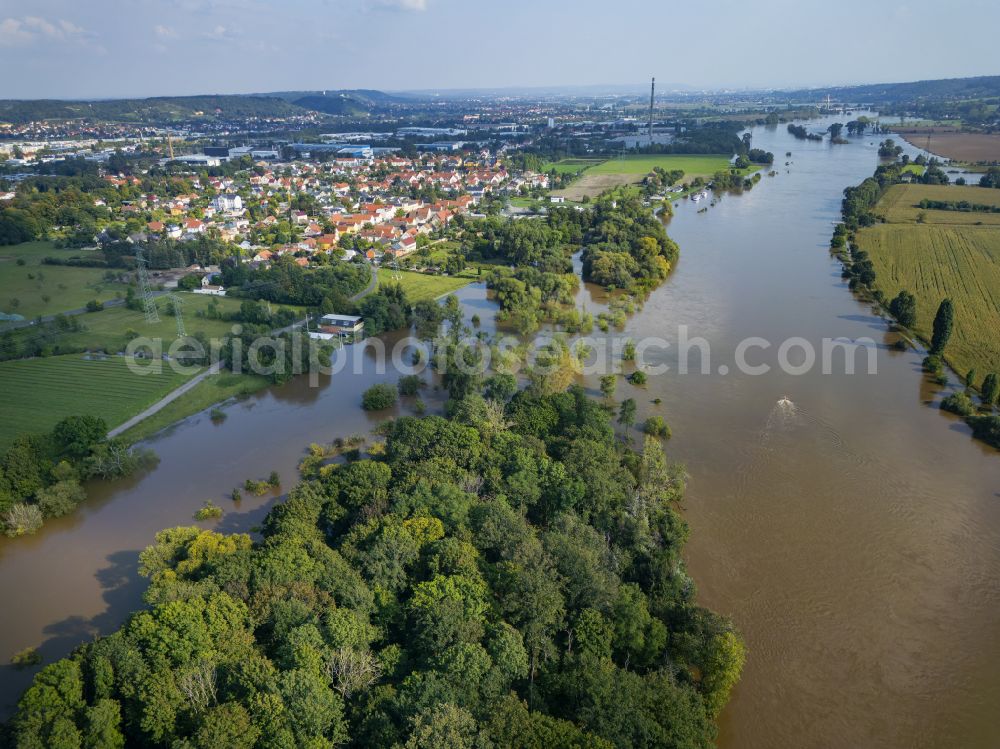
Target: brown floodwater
pixel 852 532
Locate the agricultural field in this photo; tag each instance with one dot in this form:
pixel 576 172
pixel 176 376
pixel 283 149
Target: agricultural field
pixel 570 166
pixel 29 288
pixel 632 169
pixel 901 204
pixel 955 145
pixel 934 261
pixel 37 393
pixel 420 286
pixel 694 165
pixel 110 329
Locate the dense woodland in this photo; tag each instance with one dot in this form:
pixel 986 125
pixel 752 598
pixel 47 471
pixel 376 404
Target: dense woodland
pixel 511 576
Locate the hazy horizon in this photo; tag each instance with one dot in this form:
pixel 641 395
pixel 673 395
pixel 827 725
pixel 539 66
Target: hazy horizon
pixel 104 50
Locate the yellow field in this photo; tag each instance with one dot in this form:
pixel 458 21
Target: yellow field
pixel 935 261
pixel 901 204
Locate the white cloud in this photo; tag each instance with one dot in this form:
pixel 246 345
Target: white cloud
pixel 220 33
pixel 164 32
pixel 414 5
pixel 33 28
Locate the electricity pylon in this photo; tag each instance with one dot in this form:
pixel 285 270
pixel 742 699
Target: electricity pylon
pixel 148 303
pixel 177 302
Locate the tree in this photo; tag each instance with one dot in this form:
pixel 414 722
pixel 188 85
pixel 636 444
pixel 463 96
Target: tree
pixel 379 396
pixel 75 436
pixel 626 414
pixel 991 389
pixel 609 384
pixel 970 378
pixel 943 322
pixel 410 385
pixel 904 308
pixel 656 426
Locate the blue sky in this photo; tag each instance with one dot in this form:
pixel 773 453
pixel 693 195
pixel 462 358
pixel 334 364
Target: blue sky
pixel 108 48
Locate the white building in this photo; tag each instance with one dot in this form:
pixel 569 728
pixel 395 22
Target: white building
pixel 228 203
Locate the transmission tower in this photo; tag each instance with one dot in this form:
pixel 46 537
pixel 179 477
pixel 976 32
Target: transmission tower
pixel 177 303
pixel 148 304
pixel 396 275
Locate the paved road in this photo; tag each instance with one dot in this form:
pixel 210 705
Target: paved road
pixel 370 287
pixel 169 397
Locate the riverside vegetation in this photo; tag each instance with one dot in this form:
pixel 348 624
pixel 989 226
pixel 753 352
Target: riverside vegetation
pixel 508 576
pixel 937 260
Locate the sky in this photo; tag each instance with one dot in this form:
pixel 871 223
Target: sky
pixel 124 48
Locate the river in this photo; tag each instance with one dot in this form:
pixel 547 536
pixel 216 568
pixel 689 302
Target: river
pixel 853 533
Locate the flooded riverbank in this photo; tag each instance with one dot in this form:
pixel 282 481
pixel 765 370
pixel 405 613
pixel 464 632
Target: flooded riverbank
pixel 851 531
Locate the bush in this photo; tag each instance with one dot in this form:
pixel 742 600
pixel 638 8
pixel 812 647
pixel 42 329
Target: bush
pixel 208 511
pixel 933 365
pixel 657 427
pixel 21 520
pixel 26 658
pixel 217 415
pixel 379 396
pixel 60 498
pixel 986 428
pixel 959 403
pixel 94 306
pixel 638 378
pixel 410 384
pixel 256 488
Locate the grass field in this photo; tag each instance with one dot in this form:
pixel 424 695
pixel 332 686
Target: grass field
pixel 632 169
pixel 419 286
pixel 47 289
pixel 900 204
pixel 934 261
pixel 694 165
pixel 570 166
pixel 37 393
pixel 108 330
pixel 210 391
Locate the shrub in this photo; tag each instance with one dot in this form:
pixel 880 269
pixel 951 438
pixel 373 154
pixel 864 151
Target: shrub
pixel 26 658
pixel 638 378
pixel 274 479
pixel 657 427
pixel 379 396
pixel 208 511
pixel 933 365
pixel 410 384
pixel 217 415
pixel 60 498
pixel 257 488
pixel 94 306
pixel 986 428
pixel 21 520
pixel 959 403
